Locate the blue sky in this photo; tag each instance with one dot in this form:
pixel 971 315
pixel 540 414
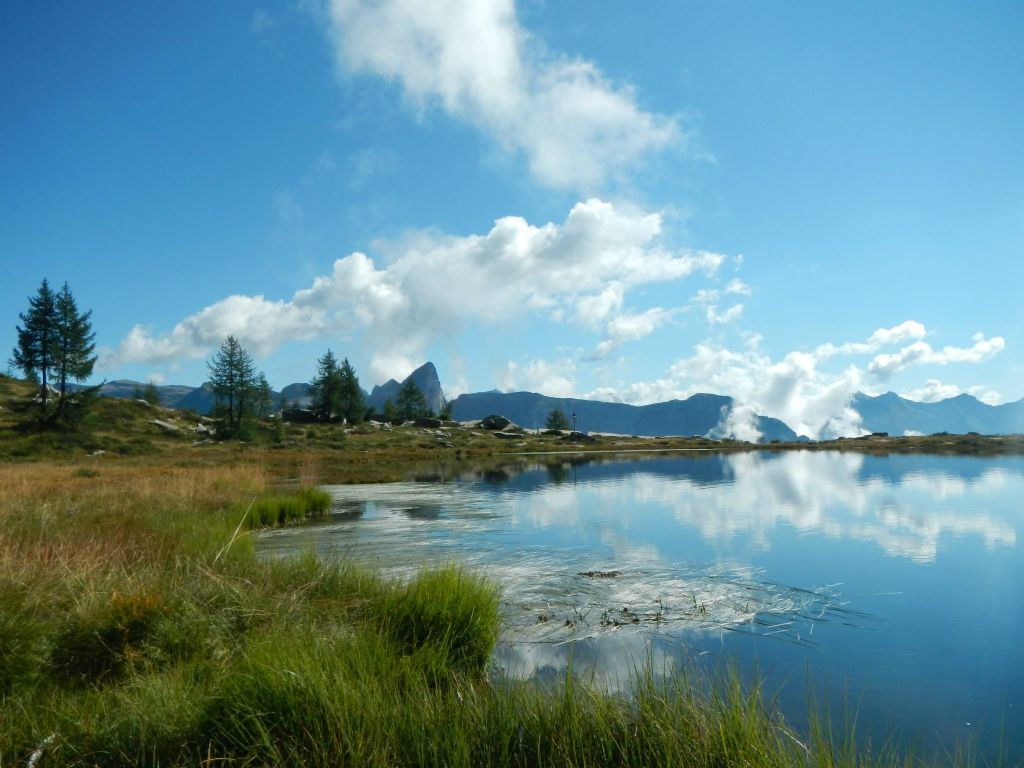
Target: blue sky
pixel 783 202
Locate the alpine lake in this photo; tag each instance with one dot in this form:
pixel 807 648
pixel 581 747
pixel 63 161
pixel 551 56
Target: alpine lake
pixel 888 589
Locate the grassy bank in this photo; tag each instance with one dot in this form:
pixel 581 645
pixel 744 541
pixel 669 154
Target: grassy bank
pixel 138 628
pixel 134 430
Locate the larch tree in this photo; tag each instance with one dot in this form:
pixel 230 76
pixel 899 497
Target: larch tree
pixel 37 340
pixel 76 345
pixel 235 383
pixel 55 345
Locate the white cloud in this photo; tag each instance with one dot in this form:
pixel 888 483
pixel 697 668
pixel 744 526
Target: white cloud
pixel 908 329
pixel 473 59
pixel 714 317
pixel 705 296
pixel 431 286
pixel 987 396
pixel 934 390
pixel 631 326
pixel 921 353
pixel 737 286
pixel 595 310
pixel 795 388
pixel 555 378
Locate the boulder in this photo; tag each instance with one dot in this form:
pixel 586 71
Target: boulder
pixel 579 437
pixel 494 421
pixel 427 421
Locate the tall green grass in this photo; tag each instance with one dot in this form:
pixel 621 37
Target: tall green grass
pixel 132 634
pixel 285 507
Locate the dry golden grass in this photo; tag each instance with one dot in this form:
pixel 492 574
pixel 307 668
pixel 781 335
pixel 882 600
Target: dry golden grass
pixel 55 515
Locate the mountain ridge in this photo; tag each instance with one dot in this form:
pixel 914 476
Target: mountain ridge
pixel 888 412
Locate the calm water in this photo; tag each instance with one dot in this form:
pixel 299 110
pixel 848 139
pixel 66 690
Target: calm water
pixel 894 583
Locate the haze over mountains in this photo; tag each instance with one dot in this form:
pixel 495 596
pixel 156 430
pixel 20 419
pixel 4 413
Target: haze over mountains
pixel 701 414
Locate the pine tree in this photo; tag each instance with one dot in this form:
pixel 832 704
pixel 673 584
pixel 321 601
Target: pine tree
pixel 235 383
pixel 74 357
pixel 352 408
pixel 557 420
pixel 37 340
pixel 411 402
pixel 326 388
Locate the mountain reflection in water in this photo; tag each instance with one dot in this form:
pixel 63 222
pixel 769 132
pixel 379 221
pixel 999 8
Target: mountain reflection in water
pixel 894 578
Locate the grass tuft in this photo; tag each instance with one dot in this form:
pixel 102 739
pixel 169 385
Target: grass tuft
pixel 132 634
pixel 281 508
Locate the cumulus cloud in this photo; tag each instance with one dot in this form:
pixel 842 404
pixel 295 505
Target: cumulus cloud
pixel 473 59
pixel 934 390
pixel 555 378
pixel 405 302
pixel 796 388
pixel 909 329
pixel 920 352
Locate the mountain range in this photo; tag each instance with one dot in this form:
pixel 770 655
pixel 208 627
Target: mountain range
pixel 958 415
pixel 701 414
pixel 697 415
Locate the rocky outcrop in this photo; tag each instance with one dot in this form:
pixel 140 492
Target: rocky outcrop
pixel 424 377
pixel 494 421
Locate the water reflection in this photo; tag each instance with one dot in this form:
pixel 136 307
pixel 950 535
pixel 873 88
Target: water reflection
pixel 896 578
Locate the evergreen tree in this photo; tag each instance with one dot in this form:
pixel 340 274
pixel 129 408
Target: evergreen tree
pixel 390 411
pixel 38 341
pixel 352 408
pixel 150 394
pixel 264 396
pixel 411 402
pixel 234 380
pixel 557 420
pixel 55 344
pixel 326 388
pixel 76 342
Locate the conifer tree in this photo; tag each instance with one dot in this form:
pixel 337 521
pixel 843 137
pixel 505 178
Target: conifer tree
pixel 55 344
pixel 75 342
pixel 264 396
pixel 411 402
pixel 37 340
pixel 352 408
pixel 557 420
pixel 235 384
pixel 326 388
